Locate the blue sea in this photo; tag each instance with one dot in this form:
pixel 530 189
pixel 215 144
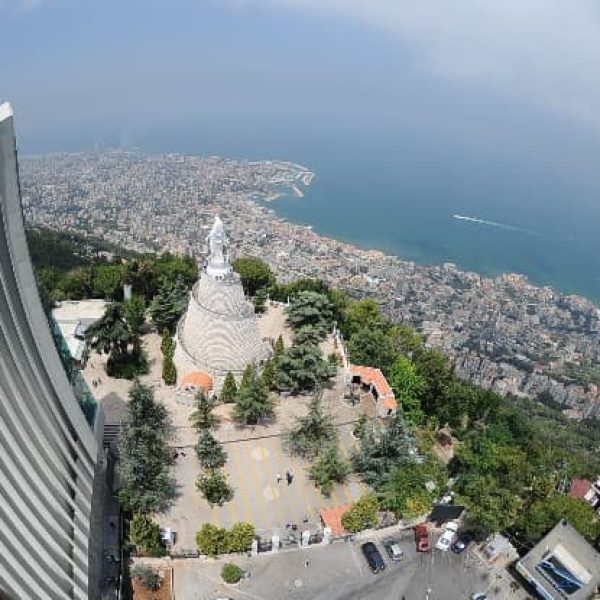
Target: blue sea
pixel 401 194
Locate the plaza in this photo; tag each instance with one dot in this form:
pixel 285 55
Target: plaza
pixel 255 455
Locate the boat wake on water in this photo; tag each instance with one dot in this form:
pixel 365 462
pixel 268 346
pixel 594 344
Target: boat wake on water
pixel 494 224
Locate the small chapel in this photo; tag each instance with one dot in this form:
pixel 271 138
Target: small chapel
pixel 219 331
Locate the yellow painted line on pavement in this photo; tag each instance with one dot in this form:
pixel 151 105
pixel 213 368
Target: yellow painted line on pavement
pixel 232 504
pixel 235 459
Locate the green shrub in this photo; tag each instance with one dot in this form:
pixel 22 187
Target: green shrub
pixel 240 537
pixel 363 515
pixel 212 540
pixel 231 573
pixel 145 534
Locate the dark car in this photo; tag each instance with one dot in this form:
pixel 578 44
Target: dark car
pixel 462 542
pixel 373 557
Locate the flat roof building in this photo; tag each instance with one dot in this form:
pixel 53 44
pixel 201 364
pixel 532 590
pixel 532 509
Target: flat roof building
pixel 563 565
pixel 48 448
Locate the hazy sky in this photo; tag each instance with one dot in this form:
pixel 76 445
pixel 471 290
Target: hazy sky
pixel 519 74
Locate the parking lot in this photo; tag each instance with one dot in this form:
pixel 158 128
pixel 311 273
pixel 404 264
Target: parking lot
pixel 340 572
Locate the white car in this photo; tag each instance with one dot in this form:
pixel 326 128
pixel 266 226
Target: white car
pixel 447 537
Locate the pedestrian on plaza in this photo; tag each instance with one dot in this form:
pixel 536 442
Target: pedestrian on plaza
pixel 291 476
pixel 278 477
pixel 306 563
pixel 288 477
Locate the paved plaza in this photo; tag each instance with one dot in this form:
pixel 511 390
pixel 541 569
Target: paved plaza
pixel 255 455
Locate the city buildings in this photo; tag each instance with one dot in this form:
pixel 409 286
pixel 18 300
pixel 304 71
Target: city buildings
pixel 48 446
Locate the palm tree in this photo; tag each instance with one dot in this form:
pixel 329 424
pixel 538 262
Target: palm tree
pixel 110 335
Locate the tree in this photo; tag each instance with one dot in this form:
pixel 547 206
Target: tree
pixel 302 369
pixel 211 540
pixel 279 348
pixel 408 386
pixel 254 273
pixel 169 371
pixel 309 335
pixel 533 524
pixel 169 304
pixel 311 308
pixel 240 537
pixel 490 506
pixel 229 389
pixel 214 487
pixel 112 335
pixel 363 515
pixel 209 451
pixel 203 418
pixel 383 448
pixel 411 486
pixel 147 576
pixel 145 534
pixel 328 469
pixel 364 314
pixel 231 573
pixel 312 432
pixel 269 374
pixel 372 348
pixel 134 311
pixel 260 301
pixel 108 281
pixel 144 454
pixel 252 402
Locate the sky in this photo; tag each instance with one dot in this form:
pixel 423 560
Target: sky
pixel 508 76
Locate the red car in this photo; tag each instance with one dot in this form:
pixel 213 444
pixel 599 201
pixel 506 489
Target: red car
pixel 422 538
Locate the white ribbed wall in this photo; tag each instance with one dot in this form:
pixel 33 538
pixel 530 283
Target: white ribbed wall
pixel 47 450
pixel 219 331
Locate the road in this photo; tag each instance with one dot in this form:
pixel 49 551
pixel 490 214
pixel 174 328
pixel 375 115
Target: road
pixel 339 572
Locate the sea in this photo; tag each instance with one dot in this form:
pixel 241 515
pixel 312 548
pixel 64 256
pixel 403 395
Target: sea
pixel 427 201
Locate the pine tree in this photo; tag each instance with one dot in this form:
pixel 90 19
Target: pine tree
pixel 279 348
pixel 169 372
pixel 268 374
pixel 169 304
pixel 252 402
pixel 249 373
pixel 229 389
pixel 209 451
pixel 202 417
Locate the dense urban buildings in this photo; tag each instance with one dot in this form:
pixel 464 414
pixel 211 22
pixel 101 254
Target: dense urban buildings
pixel 48 447
pixel 503 333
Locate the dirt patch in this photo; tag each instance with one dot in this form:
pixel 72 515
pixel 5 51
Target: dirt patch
pixel 164 593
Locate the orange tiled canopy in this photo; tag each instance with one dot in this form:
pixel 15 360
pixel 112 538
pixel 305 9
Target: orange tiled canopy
pixel 198 379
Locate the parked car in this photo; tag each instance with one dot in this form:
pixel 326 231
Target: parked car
pixel 422 538
pixel 373 557
pixel 392 547
pixel 447 537
pixel 478 596
pixel 462 542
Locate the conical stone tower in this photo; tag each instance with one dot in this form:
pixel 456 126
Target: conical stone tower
pixel 219 332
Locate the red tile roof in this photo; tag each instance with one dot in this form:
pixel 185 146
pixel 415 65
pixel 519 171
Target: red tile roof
pixel 198 379
pixel 332 518
pixel 371 376
pixel 579 488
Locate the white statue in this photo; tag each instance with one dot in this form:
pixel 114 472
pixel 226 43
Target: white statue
pixel 218 261
pixel 216 241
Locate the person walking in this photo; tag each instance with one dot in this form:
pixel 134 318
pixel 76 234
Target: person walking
pixel 278 477
pixel 288 477
pixel 291 477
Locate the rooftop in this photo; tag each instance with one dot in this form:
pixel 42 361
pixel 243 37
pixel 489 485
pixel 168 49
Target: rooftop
pixel 563 565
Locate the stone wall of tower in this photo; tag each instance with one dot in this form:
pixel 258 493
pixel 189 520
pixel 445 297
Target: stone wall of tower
pixel 219 332
pixel 48 452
